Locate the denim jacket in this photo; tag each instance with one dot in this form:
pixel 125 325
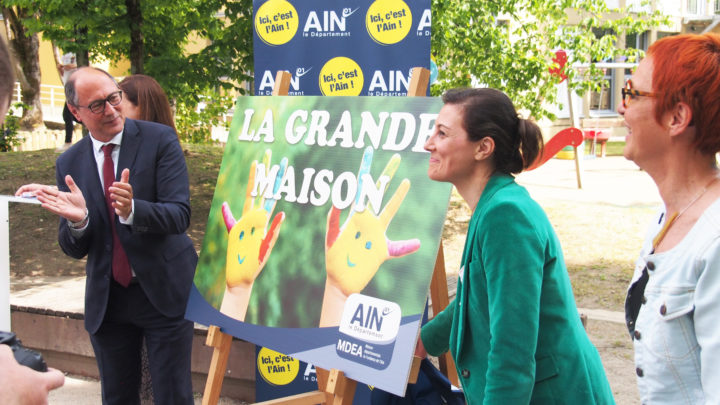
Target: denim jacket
pixel 677 333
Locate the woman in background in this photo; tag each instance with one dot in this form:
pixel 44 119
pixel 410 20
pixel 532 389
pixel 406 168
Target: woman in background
pixel 513 328
pixel 144 99
pixel 671 108
pixel 65 69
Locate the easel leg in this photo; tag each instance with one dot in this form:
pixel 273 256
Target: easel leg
pixel 439 300
pixel 221 342
pixel 342 387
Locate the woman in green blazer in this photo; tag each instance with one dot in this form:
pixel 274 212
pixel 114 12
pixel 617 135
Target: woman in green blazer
pixel 513 329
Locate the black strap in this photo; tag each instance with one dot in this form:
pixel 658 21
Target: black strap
pixel 635 295
pixel 634 299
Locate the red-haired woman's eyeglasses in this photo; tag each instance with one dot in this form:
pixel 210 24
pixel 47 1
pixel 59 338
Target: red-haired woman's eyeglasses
pixel 628 93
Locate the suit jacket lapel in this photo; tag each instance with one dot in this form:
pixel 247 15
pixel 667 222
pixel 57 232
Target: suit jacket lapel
pixel 94 191
pixel 129 147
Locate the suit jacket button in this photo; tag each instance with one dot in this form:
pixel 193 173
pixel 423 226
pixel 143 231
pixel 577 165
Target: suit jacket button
pixel 639 372
pixel 663 309
pixel 637 335
pixel 465 373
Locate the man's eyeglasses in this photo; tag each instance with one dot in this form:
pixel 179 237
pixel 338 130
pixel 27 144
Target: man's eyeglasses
pixel 98 106
pixel 628 93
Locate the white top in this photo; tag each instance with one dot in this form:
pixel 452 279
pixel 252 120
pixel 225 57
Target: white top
pixel 677 340
pixel 100 155
pixel 67 59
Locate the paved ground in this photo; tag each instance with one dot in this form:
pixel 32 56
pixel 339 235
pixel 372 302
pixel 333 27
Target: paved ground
pixel 611 180
pixel 83 391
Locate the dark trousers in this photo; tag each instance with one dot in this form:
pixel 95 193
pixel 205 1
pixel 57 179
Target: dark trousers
pixel 69 123
pixel 130 316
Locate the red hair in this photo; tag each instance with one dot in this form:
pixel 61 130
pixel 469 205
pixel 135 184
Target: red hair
pixel 687 69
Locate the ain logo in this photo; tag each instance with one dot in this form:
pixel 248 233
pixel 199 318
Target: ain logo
pixel 369 317
pixel 267 81
pixel 328 21
pixel 393 80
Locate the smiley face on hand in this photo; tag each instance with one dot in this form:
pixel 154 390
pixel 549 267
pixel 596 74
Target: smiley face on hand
pixel 250 239
pixel 355 251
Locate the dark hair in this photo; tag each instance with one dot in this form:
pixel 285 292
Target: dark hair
pixel 489 112
pixel 146 93
pixel 687 69
pixel 71 92
pixel 6 71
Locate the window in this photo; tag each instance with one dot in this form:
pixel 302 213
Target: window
pixel 603 101
pixel 717 6
pixel 638 41
pixel 697 7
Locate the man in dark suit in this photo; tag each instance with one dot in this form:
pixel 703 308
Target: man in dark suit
pixel 140 262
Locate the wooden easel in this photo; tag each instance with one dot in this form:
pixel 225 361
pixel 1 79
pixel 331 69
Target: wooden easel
pixel 333 386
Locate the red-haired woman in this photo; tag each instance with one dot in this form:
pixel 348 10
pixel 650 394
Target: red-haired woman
pixel 671 108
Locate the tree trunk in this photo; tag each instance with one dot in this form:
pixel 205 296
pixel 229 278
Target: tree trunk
pixel 26 49
pixel 137 43
pixel 82 58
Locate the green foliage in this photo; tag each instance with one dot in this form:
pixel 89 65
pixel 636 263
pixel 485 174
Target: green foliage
pixel 506 44
pixel 9 137
pixel 195 121
pixel 510 45
pixel 170 32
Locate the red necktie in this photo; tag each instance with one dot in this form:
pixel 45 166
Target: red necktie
pixel 120 265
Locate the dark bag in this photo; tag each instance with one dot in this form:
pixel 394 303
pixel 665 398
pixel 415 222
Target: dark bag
pixel 431 388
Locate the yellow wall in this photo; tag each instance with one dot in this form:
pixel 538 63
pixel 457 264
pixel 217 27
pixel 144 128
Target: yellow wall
pixel 49 73
pixel 119 69
pixel 48 70
pixel 195 44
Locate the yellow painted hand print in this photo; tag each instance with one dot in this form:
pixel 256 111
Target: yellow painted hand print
pixel 250 240
pixel 355 251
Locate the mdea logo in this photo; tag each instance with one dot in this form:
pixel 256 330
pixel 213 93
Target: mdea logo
pixel 368 329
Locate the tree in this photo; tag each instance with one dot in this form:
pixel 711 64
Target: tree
pixel 507 44
pixel 510 44
pixel 154 35
pixel 25 45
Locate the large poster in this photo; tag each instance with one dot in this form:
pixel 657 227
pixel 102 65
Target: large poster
pixel 323 232
pixel 340 48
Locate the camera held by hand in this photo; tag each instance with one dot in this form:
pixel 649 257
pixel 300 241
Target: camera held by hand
pixel 24 356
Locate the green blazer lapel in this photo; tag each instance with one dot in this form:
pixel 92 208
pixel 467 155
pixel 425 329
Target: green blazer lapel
pixel 495 183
